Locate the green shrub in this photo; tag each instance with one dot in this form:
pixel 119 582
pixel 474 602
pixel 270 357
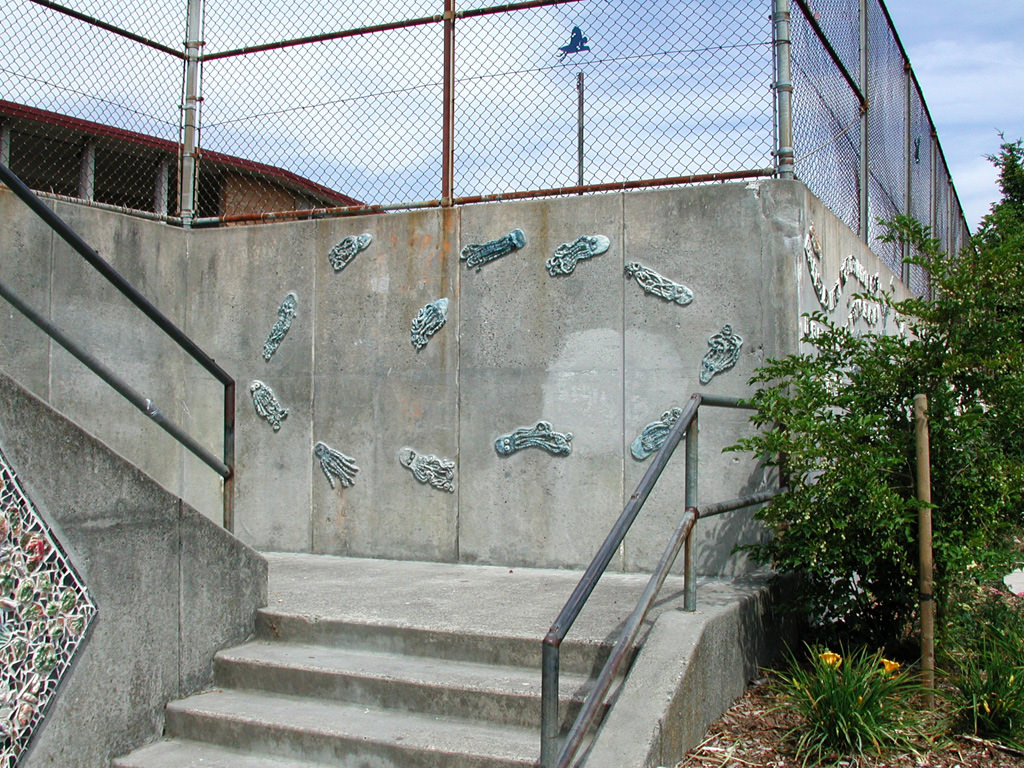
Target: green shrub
pixel 849 704
pixel 838 424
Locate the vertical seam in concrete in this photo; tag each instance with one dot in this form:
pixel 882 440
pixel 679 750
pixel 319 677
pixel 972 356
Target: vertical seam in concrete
pixel 451 223
pixel 181 593
pixel 312 401
pixel 49 312
pixel 805 217
pixel 622 369
pixel 184 319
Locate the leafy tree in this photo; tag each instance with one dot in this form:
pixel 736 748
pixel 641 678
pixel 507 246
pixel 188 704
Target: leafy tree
pixel 838 423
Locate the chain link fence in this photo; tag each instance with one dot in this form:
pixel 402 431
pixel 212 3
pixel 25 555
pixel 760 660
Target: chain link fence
pixel 826 115
pixel 340 105
pixel 86 113
pixel 864 142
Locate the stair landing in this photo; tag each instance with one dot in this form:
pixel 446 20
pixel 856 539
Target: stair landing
pixel 477 599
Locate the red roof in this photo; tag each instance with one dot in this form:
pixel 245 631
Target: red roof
pixel 286 178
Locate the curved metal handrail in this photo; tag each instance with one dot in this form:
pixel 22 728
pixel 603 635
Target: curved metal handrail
pixel 553 756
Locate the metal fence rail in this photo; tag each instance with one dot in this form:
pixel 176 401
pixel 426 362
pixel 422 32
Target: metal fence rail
pixel 217 111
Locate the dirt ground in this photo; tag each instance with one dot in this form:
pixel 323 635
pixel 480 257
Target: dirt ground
pixel 752 732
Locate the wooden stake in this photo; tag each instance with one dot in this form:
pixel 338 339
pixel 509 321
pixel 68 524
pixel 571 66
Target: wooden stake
pixel 924 533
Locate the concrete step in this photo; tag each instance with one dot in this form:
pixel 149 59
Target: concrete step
pixel 476 613
pixel 374 664
pixel 180 753
pixel 578 656
pixel 500 694
pixel 343 734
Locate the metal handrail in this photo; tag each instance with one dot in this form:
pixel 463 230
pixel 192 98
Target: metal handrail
pixel 551 755
pixel 223 468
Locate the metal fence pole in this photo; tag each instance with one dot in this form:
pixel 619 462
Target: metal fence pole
pixel 933 212
pixel 865 88
pixel 5 143
pixel 87 172
pixel 783 89
pixel 448 108
pixel 579 128
pixel 908 165
pixel 951 206
pixel 189 116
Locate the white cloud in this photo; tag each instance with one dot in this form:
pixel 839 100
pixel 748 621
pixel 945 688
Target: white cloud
pixel 969 60
pixel 967 84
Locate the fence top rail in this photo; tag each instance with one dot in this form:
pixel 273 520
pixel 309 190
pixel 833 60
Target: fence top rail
pixel 371 29
pixel 99 23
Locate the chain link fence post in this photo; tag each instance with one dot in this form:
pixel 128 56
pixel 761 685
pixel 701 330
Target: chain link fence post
pixel 864 172
pixel 908 158
pixel 579 128
pixel 783 89
pixel 5 143
pixel 190 114
pixel 448 116
pixel 933 213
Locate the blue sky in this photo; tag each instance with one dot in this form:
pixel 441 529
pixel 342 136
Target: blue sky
pixel 969 60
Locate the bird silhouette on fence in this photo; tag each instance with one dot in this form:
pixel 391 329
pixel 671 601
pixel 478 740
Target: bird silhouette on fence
pixel 577 43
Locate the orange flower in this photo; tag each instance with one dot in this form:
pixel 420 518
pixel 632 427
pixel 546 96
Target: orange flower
pixel 891 667
pixel 831 659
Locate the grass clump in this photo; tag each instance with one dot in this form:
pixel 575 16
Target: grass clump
pixel 984 668
pixel 849 704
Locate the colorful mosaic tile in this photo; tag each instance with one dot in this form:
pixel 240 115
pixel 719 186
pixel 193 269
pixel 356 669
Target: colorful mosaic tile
pixel 45 612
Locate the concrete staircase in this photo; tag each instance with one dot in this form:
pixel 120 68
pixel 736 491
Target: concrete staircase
pixel 377 663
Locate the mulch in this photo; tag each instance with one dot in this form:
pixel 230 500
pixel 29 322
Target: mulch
pixel 752 735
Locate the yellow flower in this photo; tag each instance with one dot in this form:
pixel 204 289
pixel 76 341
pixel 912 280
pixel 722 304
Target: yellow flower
pixel 891 667
pixel 831 659
pixel 984 703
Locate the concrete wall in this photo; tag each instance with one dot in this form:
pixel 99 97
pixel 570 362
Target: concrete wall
pixel 57 283
pixel 170 587
pixel 589 352
pixel 691 668
pixel 839 246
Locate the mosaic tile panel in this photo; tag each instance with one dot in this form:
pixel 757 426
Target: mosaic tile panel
pixel 45 611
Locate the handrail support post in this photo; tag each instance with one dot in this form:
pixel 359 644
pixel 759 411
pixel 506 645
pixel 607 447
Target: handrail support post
pixel 549 704
pixel 228 490
pixel 690 502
